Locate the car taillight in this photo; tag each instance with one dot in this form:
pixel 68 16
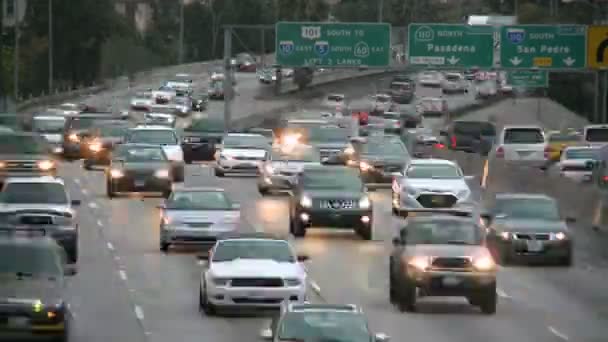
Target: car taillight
pixel 548 151
pixel 605 178
pixel 500 152
pixel 397 124
pixel 453 141
pixel 439 145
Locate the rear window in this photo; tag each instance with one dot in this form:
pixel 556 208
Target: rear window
pixel 523 136
pixel 474 128
pixel 83 123
pixel 400 86
pixel 596 135
pixel 336 98
pixel 563 137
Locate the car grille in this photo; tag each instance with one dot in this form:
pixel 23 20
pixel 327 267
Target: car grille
pixel 437 200
pixel 20 165
pixel 247 158
pixel 139 173
pixel 392 168
pixel 244 300
pixel 244 167
pixel 198 224
pixel 36 219
pixel 337 204
pixel 576 168
pixel 256 282
pixel 451 263
pixel 328 153
pixel 532 236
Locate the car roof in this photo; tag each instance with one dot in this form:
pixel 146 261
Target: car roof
pixel 505 127
pixel 432 161
pixel 251 236
pixel 516 196
pixel 304 307
pixel 42 179
pixel 49 117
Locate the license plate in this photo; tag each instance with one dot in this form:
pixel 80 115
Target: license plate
pixel 139 183
pixel 18 322
pixel 255 295
pixel 451 281
pixel 524 153
pixel 534 246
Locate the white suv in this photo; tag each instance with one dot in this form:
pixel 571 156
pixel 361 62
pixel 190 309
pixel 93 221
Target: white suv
pixel 523 145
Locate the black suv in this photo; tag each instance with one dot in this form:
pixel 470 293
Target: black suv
pixel 470 136
pixel 201 139
pixel 331 196
pixel 32 290
pixel 101 140
pixel 25 155
pixel 77 129
pixel 321 322
pixel 442 254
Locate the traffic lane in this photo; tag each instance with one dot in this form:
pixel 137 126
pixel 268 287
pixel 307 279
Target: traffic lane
pixel 346 269
pixel 455 100
pixel 163 286
pixel 100 303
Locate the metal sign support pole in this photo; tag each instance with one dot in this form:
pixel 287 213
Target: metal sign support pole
pixel 596 97
pixel 603 118
pixel 228 91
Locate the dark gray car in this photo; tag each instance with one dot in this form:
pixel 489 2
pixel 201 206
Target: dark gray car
pixel 25 155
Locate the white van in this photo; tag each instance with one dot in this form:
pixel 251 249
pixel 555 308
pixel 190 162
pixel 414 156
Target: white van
pixel 595 135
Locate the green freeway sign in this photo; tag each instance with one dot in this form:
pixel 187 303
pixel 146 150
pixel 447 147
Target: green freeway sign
pixel 528 78
pixel 543 46
pixel 333 44
pixel 451 45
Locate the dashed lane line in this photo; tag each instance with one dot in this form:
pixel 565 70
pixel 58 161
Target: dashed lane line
pixel 557 333
pixel 77 180
pixel 110 246
pixel 93 205
pixel 123 275
pixel 139 312
pixel 501 293
pixel 315 287
pixel 99 223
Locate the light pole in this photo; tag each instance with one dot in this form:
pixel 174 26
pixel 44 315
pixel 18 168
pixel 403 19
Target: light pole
pixel 16 52
pixel 380 10
pixel 181 32
pixel 50 46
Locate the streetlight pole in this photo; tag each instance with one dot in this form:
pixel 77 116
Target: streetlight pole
pixel 16 52
pixel 380 11
pixel 50 46
pixel 181 32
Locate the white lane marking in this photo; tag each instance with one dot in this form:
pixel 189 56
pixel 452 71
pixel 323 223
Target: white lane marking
pixel 200 262
pixel 84 191
pixel 558 333
pixel 110 246
pixel 139 313
pixel 123 275
pixel 99 223
pixel 315 287
pixel 77 180
pixel 93 205
pixel 117 258
pixel 502 293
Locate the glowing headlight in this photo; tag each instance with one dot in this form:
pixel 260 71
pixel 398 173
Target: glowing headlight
pixel 421 263
pixel 291 282
pixel 306 201
pixel 291 139
pixel 2 165
pixel 560 236
pixel 349 150
pixel 74 137
pixel 166 220
pixel 162 174
pixel 269 169
pixel 95 146
pixel 115 173
pixel 365 166
pixel 46 165
pixel 505 235
pixel 365 203
pixel 220 281
pixel 484 263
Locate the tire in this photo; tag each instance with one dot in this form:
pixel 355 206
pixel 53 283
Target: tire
pixel 110 190
pixel 488 300
pixel 164 247
pixel 179 175
pixel 406 300
pixel 73 255
pixel 167 193
pixel 366 232
pixel 204 305
pixel 263 191
pixel 87 165
pixel 566 260
pixel 219 173
pixel 299 230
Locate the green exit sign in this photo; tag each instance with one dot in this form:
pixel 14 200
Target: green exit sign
pixel 333 45
pixel 528 78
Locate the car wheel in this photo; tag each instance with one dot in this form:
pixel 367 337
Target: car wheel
pixel 204 305
pixel 110 190
pixel 263 191
pixel 179 175
pixel 219 173
pixel 365 231
pixel 407 297
pixel 87 165
pixel 488 300
pixel 566 260
pixel 164 247
pixel 299 230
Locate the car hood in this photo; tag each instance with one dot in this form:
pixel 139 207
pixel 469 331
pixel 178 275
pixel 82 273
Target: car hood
pixel 291 166
pixel 333 194
pixel 35 208
pixel 54 138
pixel 200 216
pixel 530 225
pixel 256 268
pixel 329 145
pixel 440 185
pixel 148 166
pixel 29 291
pixel 446 250
pixel 245 152
pixel 24 157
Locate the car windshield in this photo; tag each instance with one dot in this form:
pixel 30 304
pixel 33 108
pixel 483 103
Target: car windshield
pixel 8 120
pixel 596 135
pixel 474 128
pixel 586 153
pixel 400 86
pixel 211 126
pixel 523 136
pixel 113 131
pixel 199 200
pixel 296 155
pixel 528 208
pixel 343 179
pixel 30 261
pixel 382 98
pixel 142 155
pixel 277 250
pixel 152 136
pixel 453 78
pixel 433 171
pixel 244 141
pixel 39 193
pixel 384 147
pixel 442 232
pixel 334 326
pixel 559 137
pixel 21 144
pixel 48 125
pixel 328 134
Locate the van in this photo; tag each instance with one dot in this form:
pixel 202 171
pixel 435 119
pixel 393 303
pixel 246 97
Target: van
pixel 595 134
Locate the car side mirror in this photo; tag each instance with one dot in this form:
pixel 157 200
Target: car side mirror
pixel 380 337
pixel 302 258
pixel 76 203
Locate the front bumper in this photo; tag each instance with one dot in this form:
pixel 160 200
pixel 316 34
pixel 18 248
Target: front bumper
pixel 239 166
pixel 180 235
pixel 350 218
pixel 4 174
pixel 451 283
pixel 17 321
pixel 276 181
pixel 255 297
pixel 405 201
pixel 551 250
pixel 151 184
pixel 578 176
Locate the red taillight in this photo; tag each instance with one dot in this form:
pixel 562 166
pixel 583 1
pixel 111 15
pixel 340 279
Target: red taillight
pixel 500 152
pixel 548 151
pixel 605 178
pixel 439 145
pixel 397 124
pixel 453 141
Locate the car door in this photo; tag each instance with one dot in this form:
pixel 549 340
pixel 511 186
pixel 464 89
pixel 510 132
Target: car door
pixel 174 150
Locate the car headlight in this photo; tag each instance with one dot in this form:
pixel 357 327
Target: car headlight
pixel 559 236
pixel 166 221
pixel 161 174
pixel 2 165
pixel 46 165
pixel 116 173
pixel 463 194
pixel 349 150
pixel 220 281
pixel 292 282
pixel 420 262
pixel 306 201
pixel 365 166
pixel 74 137
pixel 95 146
pixel 484 263
pixel 291 139
pixel 505 235
pixel 365 203
pixel 269 169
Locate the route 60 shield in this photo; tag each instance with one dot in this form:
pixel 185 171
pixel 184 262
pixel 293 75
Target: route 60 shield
pixel 286 47
pixel 516 36
pixel 322 48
